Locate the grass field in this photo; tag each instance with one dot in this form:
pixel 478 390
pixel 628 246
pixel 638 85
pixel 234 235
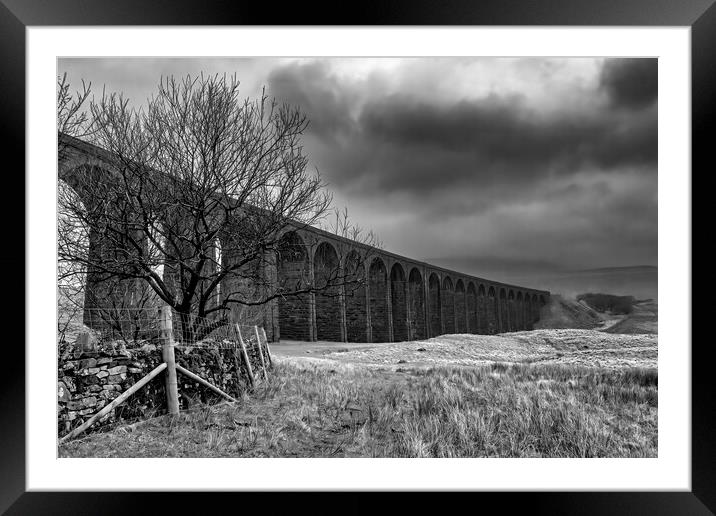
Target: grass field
pixel 343 408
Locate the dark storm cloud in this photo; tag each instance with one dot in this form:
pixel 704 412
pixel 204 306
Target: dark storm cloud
pixel 468 165
pixel 401 144
pixel 397 142
pixel 534 163
pixel 505 137
pixel 311 87
pixel 631 83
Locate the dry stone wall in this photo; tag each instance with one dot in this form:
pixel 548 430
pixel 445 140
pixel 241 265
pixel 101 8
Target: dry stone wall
pixel 89 379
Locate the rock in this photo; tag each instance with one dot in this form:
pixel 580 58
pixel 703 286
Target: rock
pixel 115 378
pixel 148 348
pixel 93 370
pixel 63 394
pixel 86 411
pixel 118 369
pixel 103 361
pixel 69 366
pixel 134 370
pixel 111 387
pixel 74 405
pixel 90 402
pixel 67 352
pixel 88 362
pixel 102 374
pixel 95 388
pixel 90 380
pixel 71 416
pixel 69 383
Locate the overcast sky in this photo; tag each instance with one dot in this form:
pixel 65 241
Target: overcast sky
pixel 487 165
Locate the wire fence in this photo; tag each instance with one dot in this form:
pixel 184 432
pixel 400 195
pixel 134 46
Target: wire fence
pixel 136 327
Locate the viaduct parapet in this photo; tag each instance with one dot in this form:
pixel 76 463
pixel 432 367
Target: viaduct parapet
pixel 400 298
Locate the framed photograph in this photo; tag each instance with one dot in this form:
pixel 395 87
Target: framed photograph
pixel 423 248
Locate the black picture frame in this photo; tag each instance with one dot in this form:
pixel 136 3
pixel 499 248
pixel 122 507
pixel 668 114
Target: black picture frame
pixel 17 15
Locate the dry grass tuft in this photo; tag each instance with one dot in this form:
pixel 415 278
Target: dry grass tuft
pixel 325 409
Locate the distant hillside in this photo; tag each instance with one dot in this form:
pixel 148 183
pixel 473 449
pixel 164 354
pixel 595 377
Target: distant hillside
pixel 608 303
pixel 562 312
pixel 640 282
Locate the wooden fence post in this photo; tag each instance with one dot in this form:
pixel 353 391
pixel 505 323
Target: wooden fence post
pixel 261 352
pixel 165 323
pixel 245 355
pixel 268 349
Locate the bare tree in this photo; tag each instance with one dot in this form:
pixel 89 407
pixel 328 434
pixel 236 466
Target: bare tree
pixel 341 225
pixel 201 189
pixel 72 120
pixel 72 116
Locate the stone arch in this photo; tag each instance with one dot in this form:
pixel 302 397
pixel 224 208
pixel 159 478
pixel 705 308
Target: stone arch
pixel 529 311
pixel 541 302
pixel 460 307
pixel 416 303
pixel 493 320
pixel 83 174
pixel 292 268
pixel 71 159
pixel 378 293
pixel 536 307
pixel 471 301
pixel 519 312
pixel 398 301
pixel 94 288
pixel 355 297
pixel 511 311
pixel 434 308
pixel 485 310
pixel 326 275
pixel 447 300
pixel 504 311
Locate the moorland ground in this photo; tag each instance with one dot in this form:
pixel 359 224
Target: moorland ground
pixel 541 393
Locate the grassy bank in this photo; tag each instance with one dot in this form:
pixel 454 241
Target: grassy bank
pixel 332 410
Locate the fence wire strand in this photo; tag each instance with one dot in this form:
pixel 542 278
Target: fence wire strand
pixel 136 327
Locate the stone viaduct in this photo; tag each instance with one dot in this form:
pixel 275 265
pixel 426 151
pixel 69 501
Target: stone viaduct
pixel 400 298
